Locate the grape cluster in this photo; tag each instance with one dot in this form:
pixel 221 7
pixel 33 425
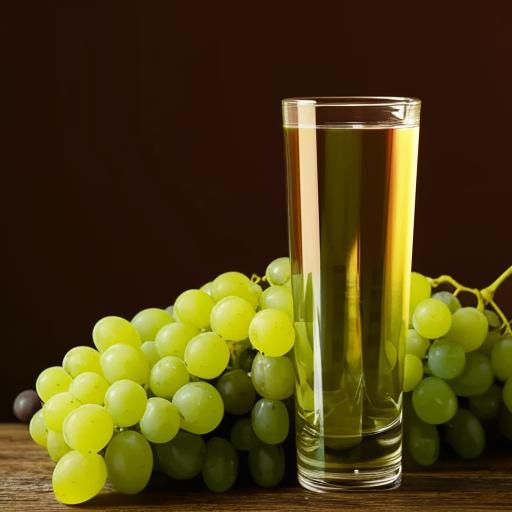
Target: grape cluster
pixel 215 364
pixel 457 373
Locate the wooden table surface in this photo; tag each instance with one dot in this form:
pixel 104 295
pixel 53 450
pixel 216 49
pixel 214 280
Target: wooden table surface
pixel 484 485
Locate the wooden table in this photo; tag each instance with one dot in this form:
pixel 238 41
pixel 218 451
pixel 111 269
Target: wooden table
pixel 484 485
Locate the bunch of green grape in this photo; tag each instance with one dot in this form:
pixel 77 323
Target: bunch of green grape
pixel 215 364
pixel 457 375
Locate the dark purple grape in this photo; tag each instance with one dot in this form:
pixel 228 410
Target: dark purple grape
pixel 25 405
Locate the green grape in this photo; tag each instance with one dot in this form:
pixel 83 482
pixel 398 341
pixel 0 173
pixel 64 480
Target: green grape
pixel 507 394
pixel 230 318
pixel 88 429
pixel 432 318
pixel 125 401
pixel 449 299
pixel 272 332
pixel 56 445
pixel 476 378
pixel 89 388
pixel 277 297
pixel 273 377
pixel 120 362
pixel 182 457
pixel 422 442
pixel 57 408
pixel 486 406
pixel 420 290
pixel 242 435
pixel 207 355
pixel 415 344
pixel 501 359
pixel 207 288
pixel 413 372
pixel 434 401
pixel 469 328
pixel 465 435
pixel 37 429
pixel 446 359
pixel 235 283
pixel 278 271
pixel 172 339
pixel 270 421
pixel 112 330
pixel 170 310
pixel 220 466
pixel 151 353
pixel 161 421
pixel 237 391
pixel 492 318
pixel 167 376
pixel 194 307
pixel 246 359
pixel 129 461
pixel 200 406
pixel 149 321
pixel 78 477
pixel 51 381
pixel 490 340
pixel 267 464
pixel 81 359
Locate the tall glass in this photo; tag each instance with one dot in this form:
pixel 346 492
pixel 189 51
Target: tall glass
pixel 351 174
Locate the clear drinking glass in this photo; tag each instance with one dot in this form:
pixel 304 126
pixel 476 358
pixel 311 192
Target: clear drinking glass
pixel 351 178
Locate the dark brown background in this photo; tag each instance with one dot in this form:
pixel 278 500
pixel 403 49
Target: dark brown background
pixel 142 150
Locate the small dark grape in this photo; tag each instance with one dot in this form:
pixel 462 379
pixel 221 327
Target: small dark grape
pixel 25 405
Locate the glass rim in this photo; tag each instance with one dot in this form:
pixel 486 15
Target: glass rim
pixel 351 101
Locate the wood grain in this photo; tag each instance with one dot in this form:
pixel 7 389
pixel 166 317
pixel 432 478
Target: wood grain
pixel 484 485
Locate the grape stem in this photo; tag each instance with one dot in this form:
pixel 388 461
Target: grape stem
pixel 256 279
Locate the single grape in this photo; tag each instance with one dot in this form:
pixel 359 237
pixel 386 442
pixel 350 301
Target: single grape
pixel 57 408
pixel 151 353
pixel 182 457
pixel 230 318
pixel 469 328
pixel 125 401
pixel 89 388
pixel 449 299
pixel 51 381
pixel 235 283
pixel 413 372
pixel 490 340
pixel 273 377
pixel 476 378
pixel 200 406
pixel 465 435
pixel 129 461
pixel 267 464
pixel 507 394
pixel 272 332
pixel 446 359
pixel 246 359
pixel 207 355
pixel 194 307
pixel 149 321
pixel 25 405
pixel 415 344
pixel 501 358
pixel 88 429
pixel 120 362
pixel 37 429
pixel 432 318
pixel 420 290
pixel 56 445
pixel 422 442
pixel 207 288
pixel 242 435
pixel 434 401
pixel 279 271
pixel 278 297
pixel 237 391
pixel 270 421
pixel 486 406
pixel 81 359
pixel 172 339
pixel 167 376
pixel 220 466
pixel 161 421
pixel 492 318
pixel 112 330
